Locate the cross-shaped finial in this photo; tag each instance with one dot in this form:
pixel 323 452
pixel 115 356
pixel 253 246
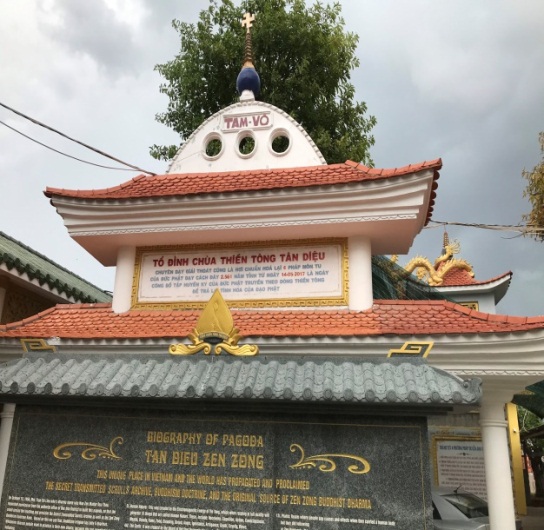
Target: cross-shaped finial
pixel 247 21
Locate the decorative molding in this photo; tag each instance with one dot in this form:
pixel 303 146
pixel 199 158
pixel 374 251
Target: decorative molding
pixel 37 345
pixel 89 451
pixel 501 424
pixel 414 349
pixel 471 305
pixel 479 373
pixel 373 209
pixel 327 461
pixel 269 224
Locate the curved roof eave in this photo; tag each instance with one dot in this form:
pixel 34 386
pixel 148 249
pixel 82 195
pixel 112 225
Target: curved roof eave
pixel 346 381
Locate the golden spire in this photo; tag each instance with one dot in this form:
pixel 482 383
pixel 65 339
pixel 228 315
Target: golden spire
pixel 446 240
pixel 247 22
pixel 248 80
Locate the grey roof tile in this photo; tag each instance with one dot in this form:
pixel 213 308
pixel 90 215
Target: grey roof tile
pixel 354 381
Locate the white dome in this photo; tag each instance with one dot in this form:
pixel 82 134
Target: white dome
pixel 247 135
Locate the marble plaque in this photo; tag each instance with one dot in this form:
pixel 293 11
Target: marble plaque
pixel 72 469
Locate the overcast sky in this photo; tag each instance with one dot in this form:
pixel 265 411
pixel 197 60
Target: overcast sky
pixel 458 79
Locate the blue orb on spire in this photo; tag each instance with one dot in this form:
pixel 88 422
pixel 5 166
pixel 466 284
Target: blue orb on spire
pixel 248 79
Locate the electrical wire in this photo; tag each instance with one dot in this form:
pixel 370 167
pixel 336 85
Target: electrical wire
pixel 62 153
pixel 102 153
pixel 521 229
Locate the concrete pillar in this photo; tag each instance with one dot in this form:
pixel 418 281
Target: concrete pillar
pixel 124 274
pixel 500 496
pixel 360 273
pixel 5 434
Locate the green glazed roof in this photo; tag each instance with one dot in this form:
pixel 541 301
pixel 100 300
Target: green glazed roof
pixel 392 282
pixel 532 400
pixel 15 255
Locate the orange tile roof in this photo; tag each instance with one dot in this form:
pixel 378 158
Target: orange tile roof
pixel 253 180
pixel 387 317
pixel 461 278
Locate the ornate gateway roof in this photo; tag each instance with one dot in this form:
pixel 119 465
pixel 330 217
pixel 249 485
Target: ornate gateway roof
pixel 361 382
pixel 387 317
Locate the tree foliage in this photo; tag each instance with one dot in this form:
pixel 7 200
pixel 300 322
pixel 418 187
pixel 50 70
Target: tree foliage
pixel 533 447
pixel 535 192
pixel 303 55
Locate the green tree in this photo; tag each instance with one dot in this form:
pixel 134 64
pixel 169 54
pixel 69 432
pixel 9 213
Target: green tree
pixel 535 192
pixel 533 448
pixel 304 58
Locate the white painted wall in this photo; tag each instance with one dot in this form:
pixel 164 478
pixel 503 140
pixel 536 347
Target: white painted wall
pixel 259 121
pixel 486 301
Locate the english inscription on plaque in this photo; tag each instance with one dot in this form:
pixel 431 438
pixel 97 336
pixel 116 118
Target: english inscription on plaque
pixel 461 461
pixel 81 469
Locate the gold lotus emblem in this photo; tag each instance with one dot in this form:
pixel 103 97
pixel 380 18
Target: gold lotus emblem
pixel 215 331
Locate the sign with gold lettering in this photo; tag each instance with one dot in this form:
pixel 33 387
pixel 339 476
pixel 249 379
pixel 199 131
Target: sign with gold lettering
pixel 308 272
pixel 70 469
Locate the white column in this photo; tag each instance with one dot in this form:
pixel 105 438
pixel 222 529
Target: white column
pixel 360 273
pixel 500 496
pixel 124 273
pixel 5 434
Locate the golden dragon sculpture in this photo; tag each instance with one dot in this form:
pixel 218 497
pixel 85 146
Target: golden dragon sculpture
pixel 434 274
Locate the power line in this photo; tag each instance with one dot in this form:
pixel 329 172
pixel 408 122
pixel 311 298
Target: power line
pixel 62 153
pixel 521 229
pixel 36 122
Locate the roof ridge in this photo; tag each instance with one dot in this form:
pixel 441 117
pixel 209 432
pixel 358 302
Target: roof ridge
pixel 28 320
pixel 401 317
pixel 340 167
pixel 385 301
pixel 46 312
pixel 37 266
pixel 459 277
pixel 436 164
pixel 50 190
pixel 262 170
pixel 44 257
pixel 494 279
pixel 84 305
pixel 493 317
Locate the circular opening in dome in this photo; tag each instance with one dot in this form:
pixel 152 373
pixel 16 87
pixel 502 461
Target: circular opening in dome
pixel 280 142
pixel 246 144
pixel 213 146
